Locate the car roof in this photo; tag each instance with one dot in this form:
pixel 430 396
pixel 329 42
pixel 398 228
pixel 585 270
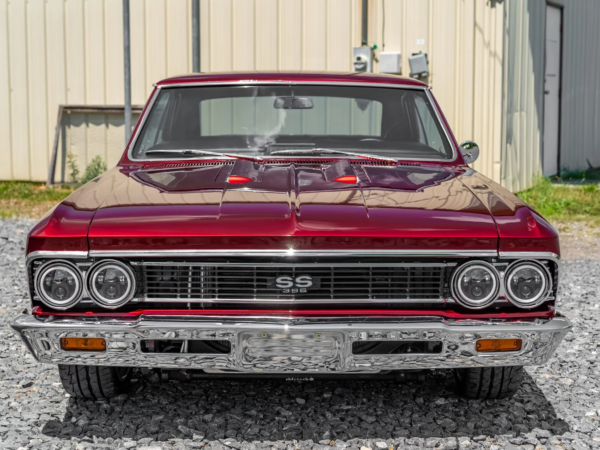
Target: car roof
pixel 292 76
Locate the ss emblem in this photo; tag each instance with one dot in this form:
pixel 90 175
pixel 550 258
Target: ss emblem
pixel 291 285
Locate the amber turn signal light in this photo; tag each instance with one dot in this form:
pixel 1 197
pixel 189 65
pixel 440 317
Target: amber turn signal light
pixel 83 344
pixel 349 179
pixel 498 345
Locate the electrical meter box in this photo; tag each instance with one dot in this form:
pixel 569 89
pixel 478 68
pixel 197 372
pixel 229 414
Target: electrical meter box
pixel 419 65
pixel 362 59
pixel 390 62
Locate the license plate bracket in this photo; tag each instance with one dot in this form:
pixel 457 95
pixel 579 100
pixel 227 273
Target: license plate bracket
pixel 280 351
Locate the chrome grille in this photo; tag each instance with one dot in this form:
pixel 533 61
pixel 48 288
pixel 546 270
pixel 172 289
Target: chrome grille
pixel 231 282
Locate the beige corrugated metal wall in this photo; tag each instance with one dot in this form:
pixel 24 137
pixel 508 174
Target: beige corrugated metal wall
pixel 70 52
pixel 524 66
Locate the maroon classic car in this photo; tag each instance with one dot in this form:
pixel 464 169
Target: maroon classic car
pixel 297 224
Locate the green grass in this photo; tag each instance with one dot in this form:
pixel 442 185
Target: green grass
pixel 20 198
pixel 564 202
pixel 36 192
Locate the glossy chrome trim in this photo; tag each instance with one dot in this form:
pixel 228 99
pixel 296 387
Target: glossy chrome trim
pixel 286 264
pixel 297 301
pixel 426 89
pixel 291 345
pixel 291 253
pixel 529 255
pixel 442 123
pixel 56 254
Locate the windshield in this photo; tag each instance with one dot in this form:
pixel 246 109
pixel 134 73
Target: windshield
pixel 285 121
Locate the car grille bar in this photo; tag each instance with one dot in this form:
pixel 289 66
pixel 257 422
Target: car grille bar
pixel 316 282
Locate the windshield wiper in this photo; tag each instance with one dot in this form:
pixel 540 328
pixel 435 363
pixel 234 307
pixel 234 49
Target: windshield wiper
pixel 187 151
pixel 330 151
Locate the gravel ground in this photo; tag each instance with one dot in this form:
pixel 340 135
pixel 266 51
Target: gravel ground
pixel 558 406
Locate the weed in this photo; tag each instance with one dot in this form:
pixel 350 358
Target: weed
pixel 73 169
pixel 96 168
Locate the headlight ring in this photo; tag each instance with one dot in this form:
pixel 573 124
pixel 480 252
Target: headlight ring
pixel 59 284
pixel 527 283
pixel 111 284
pixel 475 284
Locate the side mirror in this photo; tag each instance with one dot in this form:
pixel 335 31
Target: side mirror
pixel 469 151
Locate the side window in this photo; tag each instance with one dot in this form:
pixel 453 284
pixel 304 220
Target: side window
pixel 429 133
pixel 154 128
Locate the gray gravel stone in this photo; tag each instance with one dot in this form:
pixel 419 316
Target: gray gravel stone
pixel 558 406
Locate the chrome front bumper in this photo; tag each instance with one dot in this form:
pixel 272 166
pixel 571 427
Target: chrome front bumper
pixel 270 345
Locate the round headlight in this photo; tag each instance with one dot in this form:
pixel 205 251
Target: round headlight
pixel 527 284
pixel 475 284
pixel 59 284
pixel 111 284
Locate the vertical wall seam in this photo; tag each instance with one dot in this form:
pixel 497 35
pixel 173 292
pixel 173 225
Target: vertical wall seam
pixel 209 57
pixel 457 66
pixel 166 28
pixel 232 35
pixel 85 97
pixel 10 121
pixel 474 72
pixel 504 99
pixel 104 54
pixel 254 31
pixel 27 93
pixel 46 90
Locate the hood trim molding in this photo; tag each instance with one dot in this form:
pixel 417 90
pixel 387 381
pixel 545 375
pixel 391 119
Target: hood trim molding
pixel 291 253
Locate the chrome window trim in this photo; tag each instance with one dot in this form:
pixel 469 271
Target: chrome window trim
pixel 159 87
pixel 291 253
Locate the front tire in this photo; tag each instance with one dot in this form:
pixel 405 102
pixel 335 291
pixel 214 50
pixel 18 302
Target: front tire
pixel 489 382
pixel 94 382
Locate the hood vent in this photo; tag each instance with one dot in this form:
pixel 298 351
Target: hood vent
pixel 185 165
pixel 321 161
pixel 298 162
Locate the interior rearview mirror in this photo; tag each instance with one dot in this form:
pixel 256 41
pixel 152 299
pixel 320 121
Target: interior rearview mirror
pixel 293 103
pixel 469 151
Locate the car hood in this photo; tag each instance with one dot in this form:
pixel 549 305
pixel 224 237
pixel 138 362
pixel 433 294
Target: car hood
pixel 286 205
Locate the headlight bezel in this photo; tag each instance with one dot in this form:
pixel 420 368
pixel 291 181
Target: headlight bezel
pixel 95 295
pixel 42 271
pixel 456 290
pixel 543 294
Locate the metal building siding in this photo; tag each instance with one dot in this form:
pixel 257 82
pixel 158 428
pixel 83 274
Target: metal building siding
pixel 75 47
pixel 580 134
pixel 486 67
pixel 524 65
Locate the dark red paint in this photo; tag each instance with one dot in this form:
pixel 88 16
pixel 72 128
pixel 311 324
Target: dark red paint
pixel 37 311
pixel 333 204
